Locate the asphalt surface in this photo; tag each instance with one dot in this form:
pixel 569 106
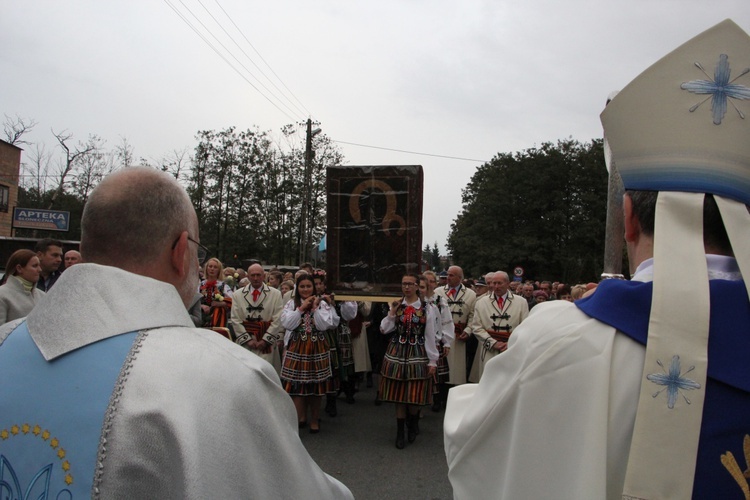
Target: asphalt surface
pixel 357 447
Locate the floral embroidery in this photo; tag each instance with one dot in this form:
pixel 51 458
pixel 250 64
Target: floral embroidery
pixel 719 89
pixel 673 381
pixel 731 465
pixel 410 324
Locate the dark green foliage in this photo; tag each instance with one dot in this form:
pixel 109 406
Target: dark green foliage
pixel 543 209
pixel 431 256
pixel 248 194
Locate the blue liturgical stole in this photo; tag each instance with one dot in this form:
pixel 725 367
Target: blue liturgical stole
pixel 51 415
pixel 626 305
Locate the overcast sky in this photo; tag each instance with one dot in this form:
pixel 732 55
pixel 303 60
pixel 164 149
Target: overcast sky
pixel 465 78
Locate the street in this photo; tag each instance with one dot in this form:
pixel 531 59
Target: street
pixel 357 447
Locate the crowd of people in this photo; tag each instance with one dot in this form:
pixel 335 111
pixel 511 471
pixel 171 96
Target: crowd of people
pixel 635 391
pixel 440 334
pixel 323 348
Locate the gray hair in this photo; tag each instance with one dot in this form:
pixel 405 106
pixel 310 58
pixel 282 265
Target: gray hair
pixel 503 273
pixel 132 215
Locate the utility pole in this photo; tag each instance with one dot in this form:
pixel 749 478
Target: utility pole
pixel 304 236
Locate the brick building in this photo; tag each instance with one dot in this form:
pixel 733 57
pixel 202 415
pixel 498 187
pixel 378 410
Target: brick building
pixel 10 166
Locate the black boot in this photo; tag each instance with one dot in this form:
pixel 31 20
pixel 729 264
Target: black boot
pixel 331 405
pixel 444 395
pixel 412 426
pixel 349 390
pixel 436 402
pixel 400 443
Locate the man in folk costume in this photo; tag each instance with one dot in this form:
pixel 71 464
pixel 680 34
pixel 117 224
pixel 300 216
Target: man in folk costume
pixel 256 317
pixel 460 301
pixel 496 315
pixel 637 391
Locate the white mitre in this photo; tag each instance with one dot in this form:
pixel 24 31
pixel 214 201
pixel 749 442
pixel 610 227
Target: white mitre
pixel 681 128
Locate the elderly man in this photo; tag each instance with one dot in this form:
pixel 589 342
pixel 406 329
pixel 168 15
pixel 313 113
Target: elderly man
pixel 546 287
pixel 618 395
pixel 460 301
pixel 528 293
pixel 480 287
pixel 489 285
pixel 72 257
pixel 256 317
pixel 496 315
pixel 50 256
pixel 115 394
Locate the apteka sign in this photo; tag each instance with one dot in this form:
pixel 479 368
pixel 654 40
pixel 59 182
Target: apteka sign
pixel 35 218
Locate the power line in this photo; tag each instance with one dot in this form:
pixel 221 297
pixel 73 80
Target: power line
pixel 411 152
pixel 234 57
pixel 262 59
pixel 197 32
pixel 298 110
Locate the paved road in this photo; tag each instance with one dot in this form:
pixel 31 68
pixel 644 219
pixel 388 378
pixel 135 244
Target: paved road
pixel 358 448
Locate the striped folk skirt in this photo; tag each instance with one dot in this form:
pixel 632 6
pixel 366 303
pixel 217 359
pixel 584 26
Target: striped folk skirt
pixel 346 355
pixel 442 374
pixel 404 377
pixel 306 370
pixel 332 338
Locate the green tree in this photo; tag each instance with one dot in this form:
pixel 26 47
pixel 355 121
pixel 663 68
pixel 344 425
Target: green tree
pixel 542 208
pixel 435 257
pixel 247 191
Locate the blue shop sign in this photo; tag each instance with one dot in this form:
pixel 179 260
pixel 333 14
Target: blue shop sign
pixel 36 218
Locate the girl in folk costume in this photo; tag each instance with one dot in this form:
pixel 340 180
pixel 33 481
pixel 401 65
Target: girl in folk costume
pixel 306 371
pixel 410 361
pixel 340 341
pixel 444 336
pixel 347 311
pixel 217 296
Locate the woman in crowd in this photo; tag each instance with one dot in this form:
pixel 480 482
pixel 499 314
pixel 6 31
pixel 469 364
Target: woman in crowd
pixel 286 286
pixel 231 278
pixel 306 370
pixel 577 291
pixel 540 296
pixel 563 293
pixel 19 293
pixel 275 277
pixel 217 296
pixel 411 359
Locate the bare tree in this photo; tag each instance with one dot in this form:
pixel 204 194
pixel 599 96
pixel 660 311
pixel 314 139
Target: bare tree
pixel 37 170
pixel 176 163
pixel 91 169
pixel 125 153
pixel 72 156
pixel 15 128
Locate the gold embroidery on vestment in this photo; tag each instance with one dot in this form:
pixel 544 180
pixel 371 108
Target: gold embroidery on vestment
pixel 734 469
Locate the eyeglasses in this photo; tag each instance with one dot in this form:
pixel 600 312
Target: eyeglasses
pixel 202 251
pixel 408 284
